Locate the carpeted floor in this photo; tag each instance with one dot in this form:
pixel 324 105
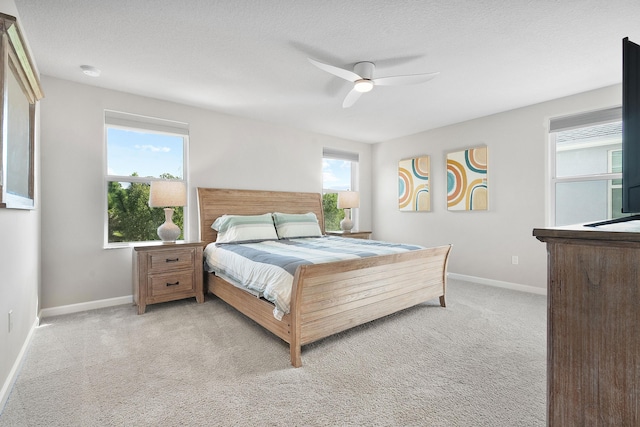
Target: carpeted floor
pixel 479 362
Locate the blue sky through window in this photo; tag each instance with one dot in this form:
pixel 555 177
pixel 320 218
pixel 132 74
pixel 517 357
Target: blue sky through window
pixel 146 153
pixel 336 174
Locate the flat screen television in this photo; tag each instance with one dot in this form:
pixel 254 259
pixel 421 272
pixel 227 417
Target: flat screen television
pixel 630 134
pixel 630 127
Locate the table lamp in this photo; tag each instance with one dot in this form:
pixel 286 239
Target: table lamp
pixel 168 194
pixel 347 200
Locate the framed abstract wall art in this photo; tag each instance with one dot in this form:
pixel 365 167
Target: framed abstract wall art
pixel 467 180
pixel 414 192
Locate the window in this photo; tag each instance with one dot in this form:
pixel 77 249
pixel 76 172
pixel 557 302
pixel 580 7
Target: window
pixel 140 150
pixel 586 167
pixel 339 173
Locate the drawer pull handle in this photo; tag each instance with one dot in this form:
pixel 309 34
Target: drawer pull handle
pixel 173 284
pixel 172 259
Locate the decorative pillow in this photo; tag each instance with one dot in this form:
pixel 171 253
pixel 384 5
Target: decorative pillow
pixel 290 226
pixel 244 228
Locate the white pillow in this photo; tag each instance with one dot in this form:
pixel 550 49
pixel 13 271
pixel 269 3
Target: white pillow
pixel 290 226
pixel 244 228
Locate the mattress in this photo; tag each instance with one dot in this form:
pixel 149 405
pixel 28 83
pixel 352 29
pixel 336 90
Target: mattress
pixel 266 268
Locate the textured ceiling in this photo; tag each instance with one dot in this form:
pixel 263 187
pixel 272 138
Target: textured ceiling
pixel 249 57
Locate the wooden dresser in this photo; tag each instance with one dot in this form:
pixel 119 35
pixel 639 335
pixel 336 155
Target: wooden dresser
pixel 167 272
pixel 593 325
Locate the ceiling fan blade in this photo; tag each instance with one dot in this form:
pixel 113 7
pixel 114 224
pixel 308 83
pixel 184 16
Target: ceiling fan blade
pixel 340 72
pixel 351 98
pixel 404 80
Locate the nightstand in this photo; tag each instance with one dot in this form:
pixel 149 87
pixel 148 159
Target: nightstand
pixel 351 234
pixel 166 272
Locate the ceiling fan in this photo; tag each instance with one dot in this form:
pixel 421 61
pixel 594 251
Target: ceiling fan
pixel 363 81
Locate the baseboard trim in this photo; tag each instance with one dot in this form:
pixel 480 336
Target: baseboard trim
pixel 84 306
pixel 13 374
pixel 498 283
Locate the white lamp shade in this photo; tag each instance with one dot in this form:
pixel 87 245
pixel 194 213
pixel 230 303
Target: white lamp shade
pixel 348 199
pixel 167 193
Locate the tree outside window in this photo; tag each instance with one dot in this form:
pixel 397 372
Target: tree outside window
pixel 130 219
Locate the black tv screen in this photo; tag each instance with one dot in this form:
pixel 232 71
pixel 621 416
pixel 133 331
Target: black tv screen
pixel 630 126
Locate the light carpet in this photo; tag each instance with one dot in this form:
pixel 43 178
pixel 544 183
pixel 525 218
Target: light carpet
pixel 479 362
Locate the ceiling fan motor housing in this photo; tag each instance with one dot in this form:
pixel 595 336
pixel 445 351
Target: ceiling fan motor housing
pixel 364 70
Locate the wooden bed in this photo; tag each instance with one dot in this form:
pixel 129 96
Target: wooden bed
pixel 325 298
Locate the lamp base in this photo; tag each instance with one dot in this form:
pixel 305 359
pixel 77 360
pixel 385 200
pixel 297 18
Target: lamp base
pixel 346 224
pixel 168 231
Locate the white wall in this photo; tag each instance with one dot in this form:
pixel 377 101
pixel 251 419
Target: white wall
pixel 225 152
pixel 19 271
pixel 484 242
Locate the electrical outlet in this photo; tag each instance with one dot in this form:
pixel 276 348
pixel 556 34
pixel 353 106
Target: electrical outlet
pixel 10 320
pixel 514 259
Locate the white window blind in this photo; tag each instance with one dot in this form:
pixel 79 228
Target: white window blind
pixel 591 118
pixel 340 155
pixel 133 121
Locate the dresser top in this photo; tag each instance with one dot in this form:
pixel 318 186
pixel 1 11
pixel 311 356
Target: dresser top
pixel 628 231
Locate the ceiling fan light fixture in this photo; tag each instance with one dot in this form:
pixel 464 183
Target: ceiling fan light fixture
pixel 363 85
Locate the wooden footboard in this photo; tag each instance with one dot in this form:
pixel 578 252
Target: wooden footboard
pixel 330 298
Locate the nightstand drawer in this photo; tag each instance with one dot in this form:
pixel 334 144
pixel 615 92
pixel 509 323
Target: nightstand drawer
pixel 170 283
pixel 170 260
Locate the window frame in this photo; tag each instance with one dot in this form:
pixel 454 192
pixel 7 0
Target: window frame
pixel 576 121
pixel 611 186
pixel 145 124
pixel 354 158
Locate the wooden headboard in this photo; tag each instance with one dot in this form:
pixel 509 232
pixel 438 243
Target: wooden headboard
pixel 215 202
